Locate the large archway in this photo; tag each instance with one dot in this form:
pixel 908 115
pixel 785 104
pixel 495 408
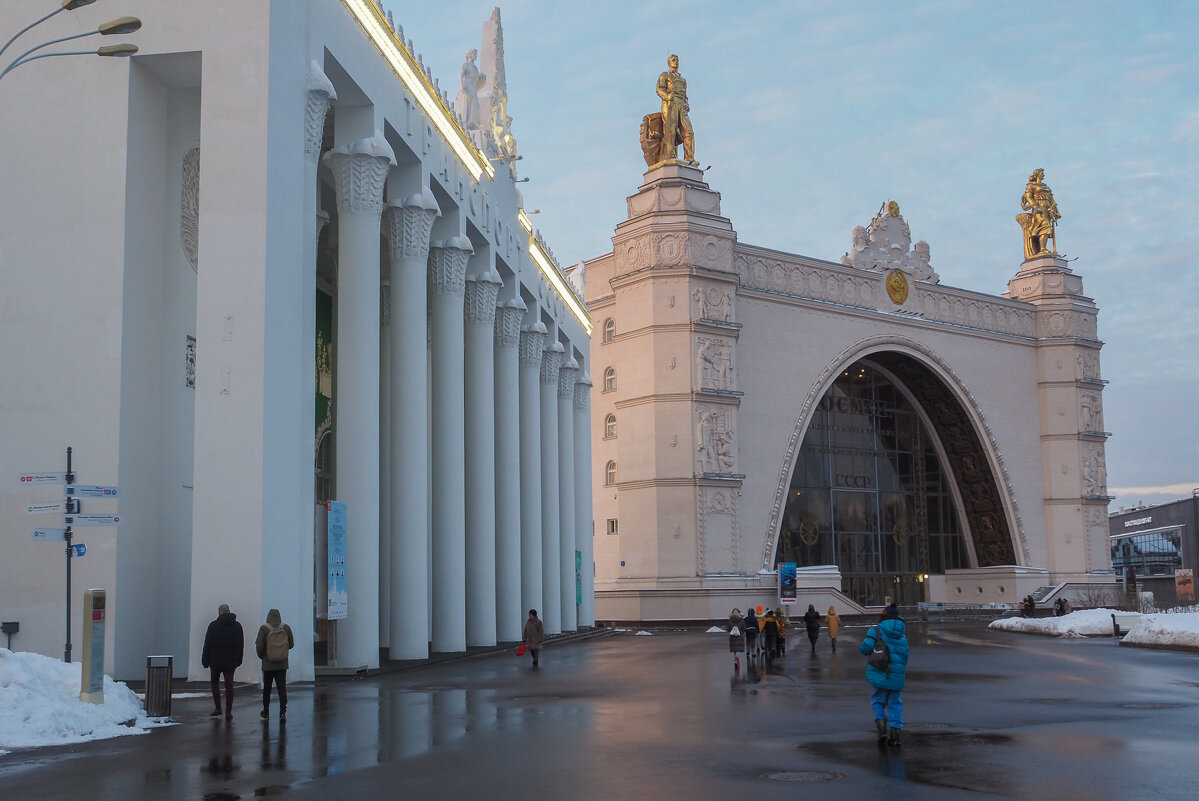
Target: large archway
pixel 891 483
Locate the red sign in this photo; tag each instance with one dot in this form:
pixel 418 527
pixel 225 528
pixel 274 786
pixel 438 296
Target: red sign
pixel 97 614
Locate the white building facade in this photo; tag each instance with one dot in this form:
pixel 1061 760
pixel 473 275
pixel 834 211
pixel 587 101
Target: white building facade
pixel 894 438
pixel 260 266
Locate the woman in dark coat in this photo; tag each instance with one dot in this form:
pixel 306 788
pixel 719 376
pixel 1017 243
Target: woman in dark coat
pixel 811 619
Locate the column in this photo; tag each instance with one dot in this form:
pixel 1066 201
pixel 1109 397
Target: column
pixel 551 532
pixel 532 342
pixel 509 617
pixel 566 492
pixel 384 463
pixel 359 171
pixel 584 527
pixel 320 95
pixel 408 224
pixel 447 284
pixel 481 292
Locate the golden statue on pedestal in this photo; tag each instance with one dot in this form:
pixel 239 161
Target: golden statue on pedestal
pixel 1040 222
pixel 662 133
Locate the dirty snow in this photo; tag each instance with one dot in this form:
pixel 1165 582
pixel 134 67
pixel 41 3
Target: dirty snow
pixel 1177 628
pixel 39 705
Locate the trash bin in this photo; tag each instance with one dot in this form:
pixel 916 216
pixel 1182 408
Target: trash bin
pixel 158 686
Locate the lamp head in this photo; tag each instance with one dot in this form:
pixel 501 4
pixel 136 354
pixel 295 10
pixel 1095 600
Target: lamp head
pixel 117 50
pixel 120 25
pixel 71 5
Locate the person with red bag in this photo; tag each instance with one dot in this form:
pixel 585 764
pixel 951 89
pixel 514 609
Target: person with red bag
pixel 533 636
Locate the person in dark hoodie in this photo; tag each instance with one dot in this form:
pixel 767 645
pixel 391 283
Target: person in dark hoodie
pixel 887 700
pixel 224 646
pixel 272 644
pixel 751 633
pixel 811 619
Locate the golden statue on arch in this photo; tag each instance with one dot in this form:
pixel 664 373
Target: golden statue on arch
pixel 662 133
pixel 1040 221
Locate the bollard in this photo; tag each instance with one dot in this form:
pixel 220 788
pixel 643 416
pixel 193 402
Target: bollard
pixel 158 686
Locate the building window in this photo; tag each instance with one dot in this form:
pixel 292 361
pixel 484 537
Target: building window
pixel 610 379
pixel 1156 554
pixel 610 427
pixel 609 330
pixel 613 526
pixel 610 474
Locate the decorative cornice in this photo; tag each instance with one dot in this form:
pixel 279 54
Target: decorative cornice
pixel 320 96
pixel 532 344
pixel 551 363
pixel 407 225
pixel 189 221
pixel 359 172
pixel 507 323
pixel 447 265
pixel 567 375
pixel 583 393
pixel 481 292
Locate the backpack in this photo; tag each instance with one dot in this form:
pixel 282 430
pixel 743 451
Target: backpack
pixel 880 657
pixel 276 644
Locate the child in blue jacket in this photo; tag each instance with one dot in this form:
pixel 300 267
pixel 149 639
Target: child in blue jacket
pixel 887 699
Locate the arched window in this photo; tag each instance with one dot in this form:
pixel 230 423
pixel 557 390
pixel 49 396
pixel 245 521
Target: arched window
pixel 609 330
pixel 609 379
pixel 611 474
pixel 610 427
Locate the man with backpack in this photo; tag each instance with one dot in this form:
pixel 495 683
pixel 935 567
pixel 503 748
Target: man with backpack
pixel 886 650
pixel 272 644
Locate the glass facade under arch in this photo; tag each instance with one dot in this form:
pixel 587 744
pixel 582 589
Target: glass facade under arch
pixel 869 494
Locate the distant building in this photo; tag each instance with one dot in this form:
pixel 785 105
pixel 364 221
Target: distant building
pixel 894 437
pixel 1152 542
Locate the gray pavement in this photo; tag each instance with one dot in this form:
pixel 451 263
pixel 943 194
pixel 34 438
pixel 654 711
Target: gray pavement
pixel 988 715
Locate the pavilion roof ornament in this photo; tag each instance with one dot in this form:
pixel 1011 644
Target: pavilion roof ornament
pixel 887 245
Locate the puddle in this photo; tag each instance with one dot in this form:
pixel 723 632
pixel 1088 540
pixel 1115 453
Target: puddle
pixel 803 776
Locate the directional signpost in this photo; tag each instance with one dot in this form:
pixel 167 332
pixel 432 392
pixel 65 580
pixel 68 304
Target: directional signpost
pixel 71 518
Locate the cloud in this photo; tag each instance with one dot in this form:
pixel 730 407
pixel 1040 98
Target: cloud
pixel 1165 489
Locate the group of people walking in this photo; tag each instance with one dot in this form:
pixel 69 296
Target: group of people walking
pixel 224 650
pixel 885 646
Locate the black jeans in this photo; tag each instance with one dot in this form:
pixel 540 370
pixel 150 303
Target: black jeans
pixel 214 681
pixel 279 677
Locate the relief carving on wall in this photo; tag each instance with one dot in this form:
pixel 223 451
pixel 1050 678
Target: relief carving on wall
pixel 1090 412
pixel 717 534
pixel 1094 471
pixel 714 363
pixel 189 218
pixel 714 438
pixel 713 303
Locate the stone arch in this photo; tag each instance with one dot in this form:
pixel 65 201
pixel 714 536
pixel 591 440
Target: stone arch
pixel 992 515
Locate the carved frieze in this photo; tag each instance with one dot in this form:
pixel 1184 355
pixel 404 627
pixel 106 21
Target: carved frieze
pixel 714 363
pixel 712 303
pixel 189 217
pixel 715 448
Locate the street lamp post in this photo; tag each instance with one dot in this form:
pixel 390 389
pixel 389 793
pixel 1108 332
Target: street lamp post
pixel 118 26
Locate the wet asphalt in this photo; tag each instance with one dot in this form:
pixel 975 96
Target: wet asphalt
pixel 988 715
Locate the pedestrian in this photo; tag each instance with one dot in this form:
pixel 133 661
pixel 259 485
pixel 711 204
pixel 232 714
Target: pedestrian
pixel 224 647
pixel 770 633
pixel 751 633
pixel 781 619
pixel 1066 608
pixel 736 636
pixel 811 619
pixel 272 644
pixel 1057 607
pixel 887 699
pixel 833 621
pixel 533 635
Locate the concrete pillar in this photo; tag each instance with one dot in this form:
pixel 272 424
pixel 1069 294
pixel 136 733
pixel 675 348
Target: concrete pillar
pixel 551 532
pixel 566 493
pixel 481 292
pixel 584 526
pixel 508 614
pixel 384 463
pixel 408 224
pixel 447 282
pixel 320 95
pixel 532 343
pixel 359 172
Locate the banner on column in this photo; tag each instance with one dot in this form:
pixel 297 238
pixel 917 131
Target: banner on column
pixel 339 594
pixel 787 582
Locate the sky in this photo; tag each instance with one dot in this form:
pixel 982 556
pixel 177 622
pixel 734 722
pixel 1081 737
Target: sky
pixel 811 115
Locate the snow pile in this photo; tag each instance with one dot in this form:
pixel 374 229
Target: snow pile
pixel 643 633
pixel 39 704
pixel 715 630
pixel 1181 629
pixel 1083 623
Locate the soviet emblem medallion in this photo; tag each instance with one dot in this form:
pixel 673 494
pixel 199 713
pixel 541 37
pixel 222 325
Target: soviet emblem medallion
pixel 897 286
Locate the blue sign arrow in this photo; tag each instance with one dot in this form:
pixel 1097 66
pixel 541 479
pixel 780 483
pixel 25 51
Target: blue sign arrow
pixel 79 548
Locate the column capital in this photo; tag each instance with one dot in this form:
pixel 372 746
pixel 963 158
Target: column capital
pixel 481 292
pixel 566 379
pixel 447 265
pixel 507 322
pixel 359 172
pixel 551 363
pixel 583 392
pixel 407 224
pixel 321 95
pixel 532 341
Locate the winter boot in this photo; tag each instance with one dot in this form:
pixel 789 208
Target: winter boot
pixel 881 726
pixel 895 737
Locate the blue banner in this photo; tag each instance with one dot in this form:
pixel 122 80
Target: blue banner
pixel 339 594
pixel 787 582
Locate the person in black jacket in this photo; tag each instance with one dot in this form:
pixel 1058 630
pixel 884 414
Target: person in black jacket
pixel 811 620
pixel 224 646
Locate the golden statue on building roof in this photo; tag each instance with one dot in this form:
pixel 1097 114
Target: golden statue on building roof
pixel 662 133
pixel 1040 220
